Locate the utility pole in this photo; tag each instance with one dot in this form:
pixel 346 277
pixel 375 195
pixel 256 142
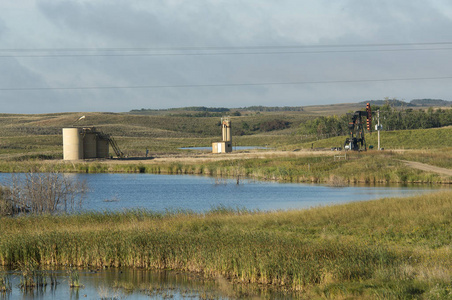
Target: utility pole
pixel 378 128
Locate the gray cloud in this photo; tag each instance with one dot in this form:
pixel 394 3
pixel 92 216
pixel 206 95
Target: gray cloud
pixel 181 23
pixel 3 27
pixel 160 24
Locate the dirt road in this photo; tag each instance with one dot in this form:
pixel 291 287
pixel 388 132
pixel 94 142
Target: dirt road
pixel 428 168
pixel 207 157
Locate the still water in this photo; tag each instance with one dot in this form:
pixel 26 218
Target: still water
pixel 233 147
pixel 116 192
pixel 115 284
pixel 197 193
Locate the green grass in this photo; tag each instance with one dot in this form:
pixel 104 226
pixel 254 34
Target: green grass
pixel 41 134
pixel 163 126
pixel 34 143
pixel 22 135
pixel 428 139
pixel 435 157
pixel 370 167
pixel 389 248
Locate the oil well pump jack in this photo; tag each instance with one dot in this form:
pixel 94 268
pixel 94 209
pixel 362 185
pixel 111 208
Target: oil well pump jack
pixel 356 141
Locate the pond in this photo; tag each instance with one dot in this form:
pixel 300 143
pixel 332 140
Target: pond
pixel 199 194
pixel 116 192
pixel 235 148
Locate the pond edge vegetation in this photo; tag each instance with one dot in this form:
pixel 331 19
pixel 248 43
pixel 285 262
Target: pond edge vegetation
pixel 390 248
pixel 371 167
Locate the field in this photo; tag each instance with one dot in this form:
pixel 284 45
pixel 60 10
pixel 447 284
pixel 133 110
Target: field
pixel 34 142
pixel 41 134
pixel 384 249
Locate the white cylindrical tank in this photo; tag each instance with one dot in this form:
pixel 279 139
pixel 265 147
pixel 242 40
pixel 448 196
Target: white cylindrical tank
pixel 72 144
pixel 90 145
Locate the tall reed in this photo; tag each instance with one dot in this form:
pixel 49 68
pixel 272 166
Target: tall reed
pixel 403 241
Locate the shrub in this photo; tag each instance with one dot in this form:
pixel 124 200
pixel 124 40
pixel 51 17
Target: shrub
pixel 41 193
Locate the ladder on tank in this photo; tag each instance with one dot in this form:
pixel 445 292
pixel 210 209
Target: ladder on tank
pixel 115 147
pixel 112 143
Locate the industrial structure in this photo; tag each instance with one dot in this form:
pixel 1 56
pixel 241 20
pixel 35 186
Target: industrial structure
pixel 87 143
pixel 356 141
pixel 225 145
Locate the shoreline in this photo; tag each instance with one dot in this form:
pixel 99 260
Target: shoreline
pixel 305 166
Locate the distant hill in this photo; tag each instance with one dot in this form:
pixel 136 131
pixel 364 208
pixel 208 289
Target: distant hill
pixel 272 108
pixel 202 111
pixel 190 108
pixel 392 102
pixel 430 102
pixel 219 109
pixel 412 103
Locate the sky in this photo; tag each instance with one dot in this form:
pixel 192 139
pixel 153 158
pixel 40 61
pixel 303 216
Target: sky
pixel 115 56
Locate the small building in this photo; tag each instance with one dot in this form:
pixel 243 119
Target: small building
pixel 221 147
pixel 225 146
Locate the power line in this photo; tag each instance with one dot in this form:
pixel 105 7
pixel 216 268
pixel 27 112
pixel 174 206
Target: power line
pixel 221 84
pixel 216 53
pixel 222 47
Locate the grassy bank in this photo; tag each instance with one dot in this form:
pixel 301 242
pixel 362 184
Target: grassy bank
pixel 389 248
pixel 369 167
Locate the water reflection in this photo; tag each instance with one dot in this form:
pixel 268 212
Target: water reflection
pixel 233 147
pixel 200 194
pixel 116 192
pixel 165 192
pixel 137 284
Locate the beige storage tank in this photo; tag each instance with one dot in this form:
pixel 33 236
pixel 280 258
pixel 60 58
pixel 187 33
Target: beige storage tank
pixel 228 133
pixel 102 148
pixel 72 144
pixel 226 130
pixel 89 144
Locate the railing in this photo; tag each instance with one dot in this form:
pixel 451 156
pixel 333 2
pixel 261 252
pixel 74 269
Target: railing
pixel 115 147
pixel 339 156
pixel 112 143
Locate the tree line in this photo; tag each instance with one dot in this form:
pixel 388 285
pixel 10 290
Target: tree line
pixel 261 108
pixel 391 118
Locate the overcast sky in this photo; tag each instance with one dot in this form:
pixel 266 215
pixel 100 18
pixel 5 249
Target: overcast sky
pixel 105 55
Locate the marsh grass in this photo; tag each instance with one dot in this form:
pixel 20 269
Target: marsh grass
pixel 369 168
pixel 5 283
pixel 74 278
pixel 31 277
pixel 397 246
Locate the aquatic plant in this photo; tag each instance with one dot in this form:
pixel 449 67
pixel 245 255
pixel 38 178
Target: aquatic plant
pixel 30 276
pixel 5 283
pixel 368 245
pixel 74 278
